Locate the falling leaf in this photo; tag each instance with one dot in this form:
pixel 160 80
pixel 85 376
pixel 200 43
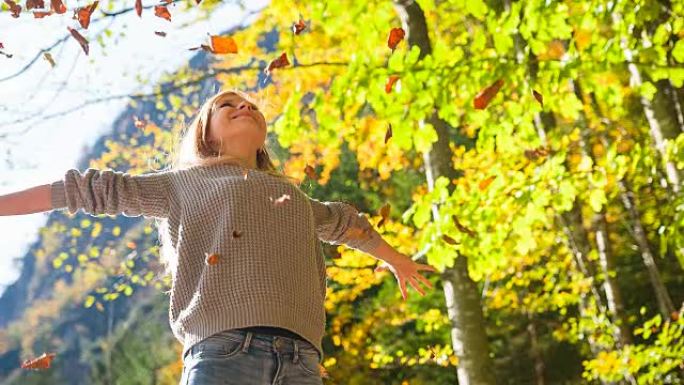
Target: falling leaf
pixel 485 183
pixel 298 27
pixel 41 14
pixel 14 8
pixel 160 33
pixel 203 46
pixel 384 212
pixel 131 245
pixel 279 62
pixel 462 228
pixel 395 36
pixel 536 153
pixel 162 11
pixel 138 123
pixel 486 95
pixel 83 14
pixel 223 44
pixel 57 6
pixel 211 259
pixel 30 4
pixel 388 134
pixel 81 40
pixel 539 97
pixel 237 234
pixel 138 7
pixel 310 172
pixel 280 201
pixel 449 240
pixel 42 362
pixel 49 58
pixel 390 82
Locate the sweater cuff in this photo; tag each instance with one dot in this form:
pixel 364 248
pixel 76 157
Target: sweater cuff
pixel 57 195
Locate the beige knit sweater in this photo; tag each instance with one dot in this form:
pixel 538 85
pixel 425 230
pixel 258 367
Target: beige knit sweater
pixel 270 268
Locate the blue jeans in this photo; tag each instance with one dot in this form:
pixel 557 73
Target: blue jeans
pixel 245 358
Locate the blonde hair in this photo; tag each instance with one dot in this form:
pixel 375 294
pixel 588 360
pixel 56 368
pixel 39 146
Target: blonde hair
pixel 193 149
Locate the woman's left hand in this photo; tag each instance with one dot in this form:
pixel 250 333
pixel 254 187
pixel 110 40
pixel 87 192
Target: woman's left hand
pixel 405 269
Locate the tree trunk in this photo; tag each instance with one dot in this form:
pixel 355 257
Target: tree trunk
pixel 535 352
pixel 468 334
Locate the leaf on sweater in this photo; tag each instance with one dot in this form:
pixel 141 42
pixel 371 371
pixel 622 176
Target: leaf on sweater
pixel 486 95
pixel 396 35
pixel 211 259
pixel 83 14
pixel 237 233
pixel 42 362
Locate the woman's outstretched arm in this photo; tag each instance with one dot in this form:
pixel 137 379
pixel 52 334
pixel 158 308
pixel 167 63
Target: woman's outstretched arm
pixel 114 192
pixel 32 200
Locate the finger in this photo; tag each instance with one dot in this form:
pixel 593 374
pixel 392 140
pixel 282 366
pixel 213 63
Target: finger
pixel 416 285
pixel 427 267
pixel 424 280
pixel 402 286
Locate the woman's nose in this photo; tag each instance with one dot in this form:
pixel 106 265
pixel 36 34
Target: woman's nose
pixel 244 104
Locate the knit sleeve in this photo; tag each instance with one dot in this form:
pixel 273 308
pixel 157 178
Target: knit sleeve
pixel 340 223
pixel 113 192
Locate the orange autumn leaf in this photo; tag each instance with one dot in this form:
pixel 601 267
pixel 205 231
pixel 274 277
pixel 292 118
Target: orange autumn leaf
pixel 298 27
pixel 211 259
pixel 83 14
pixel 162 11
pixel 223 44
pixel 485 183
pixel 384 212
pixel 131 245
pixel 486 95
pixel 310 172
pixel 388 133
pixel 30 4
pixel 42 362
pixel 138 7
pixel 15 8
pixel 41 14
pixel 539 97
pixel 81 40
pixel 395 36
pixel 57 6
pixel 390 82
pixel 279 62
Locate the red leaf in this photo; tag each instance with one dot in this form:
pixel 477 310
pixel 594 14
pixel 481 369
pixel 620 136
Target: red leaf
pixel 162 11
pixel 485 183
pixel 42 362
pixel 57 6
pixel 279 62
pixel 41 14
pixel 30 4
pixel 83 14
pixel 539 97
pixel 486 95
pixel 81 40
pixel 298 27
pixel 14 8
pixel 138 7
pixel 390 82
pixel 395 36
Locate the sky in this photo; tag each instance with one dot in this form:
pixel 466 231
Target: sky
pixel 39 151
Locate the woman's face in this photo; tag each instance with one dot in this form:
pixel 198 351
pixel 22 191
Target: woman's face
pixel 239 123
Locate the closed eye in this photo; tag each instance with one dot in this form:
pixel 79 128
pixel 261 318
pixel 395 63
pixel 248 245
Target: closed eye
pixel 231 104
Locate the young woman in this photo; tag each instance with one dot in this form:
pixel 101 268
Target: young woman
pixel 240 241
